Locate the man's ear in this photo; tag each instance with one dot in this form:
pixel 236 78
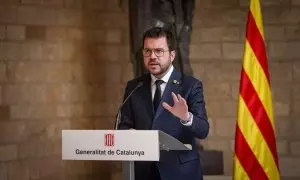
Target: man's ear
pixel 172 55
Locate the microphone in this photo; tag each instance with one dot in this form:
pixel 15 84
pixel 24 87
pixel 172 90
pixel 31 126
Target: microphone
pixel 119 109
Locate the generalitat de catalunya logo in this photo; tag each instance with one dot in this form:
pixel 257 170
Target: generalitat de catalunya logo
pixel 109 139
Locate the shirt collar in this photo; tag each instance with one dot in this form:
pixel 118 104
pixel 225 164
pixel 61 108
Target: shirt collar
pixel 165 78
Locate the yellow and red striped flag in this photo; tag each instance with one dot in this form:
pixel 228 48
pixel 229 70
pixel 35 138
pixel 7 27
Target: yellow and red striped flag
pixel 255 154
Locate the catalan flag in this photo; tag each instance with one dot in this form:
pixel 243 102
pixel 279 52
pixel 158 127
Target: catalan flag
pixel 255 154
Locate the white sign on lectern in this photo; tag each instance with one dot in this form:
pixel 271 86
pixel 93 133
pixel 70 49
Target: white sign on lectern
pixel 110 145
pixel 118 145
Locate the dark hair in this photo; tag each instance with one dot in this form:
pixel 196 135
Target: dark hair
pixel 157 32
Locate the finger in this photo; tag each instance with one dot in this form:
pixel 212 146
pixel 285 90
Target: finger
pixel 166 106
pixel 175 99
pixel 181 99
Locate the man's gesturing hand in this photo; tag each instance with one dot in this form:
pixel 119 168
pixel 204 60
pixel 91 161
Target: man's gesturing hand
pixel 180 108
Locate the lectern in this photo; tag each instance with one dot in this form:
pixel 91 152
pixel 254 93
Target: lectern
pixel 118 145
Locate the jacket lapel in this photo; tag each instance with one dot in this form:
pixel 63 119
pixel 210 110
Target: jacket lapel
pixel 172 86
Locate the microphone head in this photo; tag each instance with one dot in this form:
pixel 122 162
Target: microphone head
pixel 140 83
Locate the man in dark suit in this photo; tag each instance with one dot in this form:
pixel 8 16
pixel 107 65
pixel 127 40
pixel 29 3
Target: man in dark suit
pixel 170 102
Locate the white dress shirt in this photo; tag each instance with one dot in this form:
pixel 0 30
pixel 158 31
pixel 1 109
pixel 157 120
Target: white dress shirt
pixel 165 79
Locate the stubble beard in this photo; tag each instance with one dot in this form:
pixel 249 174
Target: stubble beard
pixel 163 70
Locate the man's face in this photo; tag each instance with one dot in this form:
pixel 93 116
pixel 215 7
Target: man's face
pixel 157 57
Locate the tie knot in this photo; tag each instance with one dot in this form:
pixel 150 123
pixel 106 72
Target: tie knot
pixel 159 82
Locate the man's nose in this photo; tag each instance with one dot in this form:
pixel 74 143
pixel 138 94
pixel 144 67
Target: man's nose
pixel 152 55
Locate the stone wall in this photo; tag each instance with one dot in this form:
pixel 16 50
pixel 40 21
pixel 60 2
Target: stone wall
pixel 64 64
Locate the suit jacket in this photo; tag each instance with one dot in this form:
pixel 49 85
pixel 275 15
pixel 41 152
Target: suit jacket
pixel 137 113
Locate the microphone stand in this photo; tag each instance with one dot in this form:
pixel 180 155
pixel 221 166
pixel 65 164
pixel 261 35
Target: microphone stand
pixel 118 119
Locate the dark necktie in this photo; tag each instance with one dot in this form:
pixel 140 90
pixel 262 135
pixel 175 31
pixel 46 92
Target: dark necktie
pixel 157 95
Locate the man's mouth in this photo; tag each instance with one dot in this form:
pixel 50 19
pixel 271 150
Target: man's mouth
pixel 153 65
